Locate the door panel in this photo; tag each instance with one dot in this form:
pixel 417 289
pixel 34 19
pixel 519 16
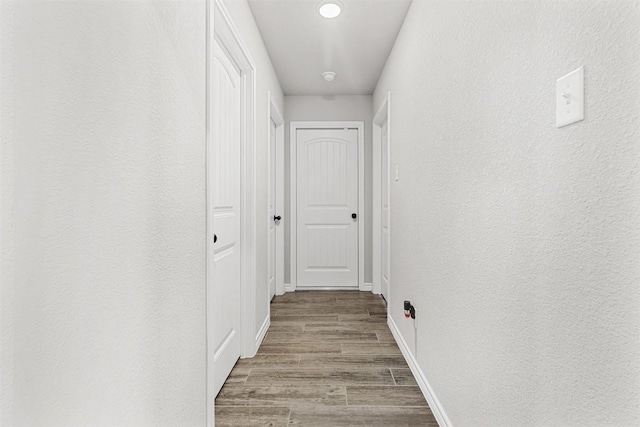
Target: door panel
pixel 327 196
pixel 226 215
pixel 272 210
pixel 384 219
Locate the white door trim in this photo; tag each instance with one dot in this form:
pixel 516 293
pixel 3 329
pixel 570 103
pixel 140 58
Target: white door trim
pixel 359 125
pixel 221 28
pixel 275 115
pixel 383 112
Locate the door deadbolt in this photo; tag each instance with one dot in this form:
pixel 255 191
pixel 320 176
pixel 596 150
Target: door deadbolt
pixel 215 238
pixel 354 215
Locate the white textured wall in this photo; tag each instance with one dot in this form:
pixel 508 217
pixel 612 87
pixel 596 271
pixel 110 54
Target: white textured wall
pixel 266 80
pixel 7 249
pixel 519 243
pixel 327 108
pixel 103 213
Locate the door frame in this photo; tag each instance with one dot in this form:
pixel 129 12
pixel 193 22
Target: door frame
pixel 359 125
pixel 383 112
pixel 275 115
pixel 220 27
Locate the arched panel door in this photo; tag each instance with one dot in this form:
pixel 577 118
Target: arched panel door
pixel 327 207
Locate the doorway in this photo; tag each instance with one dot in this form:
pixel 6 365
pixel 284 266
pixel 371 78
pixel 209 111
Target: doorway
pixel 276 219
pixel 327 199
pixel 230 206
pixel 381 200
pixel 227 215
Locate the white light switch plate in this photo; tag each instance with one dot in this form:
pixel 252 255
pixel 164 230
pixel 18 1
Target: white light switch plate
pixel 570 98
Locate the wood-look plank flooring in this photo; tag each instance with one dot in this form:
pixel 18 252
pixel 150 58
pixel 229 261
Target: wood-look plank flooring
pixel 328 359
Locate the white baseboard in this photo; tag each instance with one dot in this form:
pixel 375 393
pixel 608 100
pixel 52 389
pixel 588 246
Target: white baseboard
pixel 288 287
pixel 367 287
pixel 262 333
pixel 327 288
pixel 432 400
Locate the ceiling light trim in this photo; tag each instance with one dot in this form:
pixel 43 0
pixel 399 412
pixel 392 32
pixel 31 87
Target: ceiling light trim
pixel 330 9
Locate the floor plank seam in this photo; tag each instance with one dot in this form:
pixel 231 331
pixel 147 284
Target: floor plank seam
pixel 346 396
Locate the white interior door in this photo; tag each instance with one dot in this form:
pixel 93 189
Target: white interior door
pixel 384 217
pixel 273 216
pixel 327 198
pixel 226 215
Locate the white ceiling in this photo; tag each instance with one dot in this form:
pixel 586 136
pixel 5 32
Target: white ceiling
pixel 303 45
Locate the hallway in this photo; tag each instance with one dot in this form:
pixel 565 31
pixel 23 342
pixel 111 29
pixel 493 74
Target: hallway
pixel 168 166
pixel 329 358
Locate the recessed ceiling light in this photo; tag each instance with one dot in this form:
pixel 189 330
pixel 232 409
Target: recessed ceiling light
pixel 329 75
pixel 330 9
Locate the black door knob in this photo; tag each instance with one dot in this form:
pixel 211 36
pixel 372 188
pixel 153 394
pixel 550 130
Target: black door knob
pixel 354 215
pixel 277 217
pixel 215 238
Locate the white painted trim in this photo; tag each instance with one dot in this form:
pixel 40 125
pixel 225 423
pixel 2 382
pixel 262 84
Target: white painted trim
pixel 275 115
pixel 261 334
pixel 221 28
pixel 293 234
pixel 425 387
pixel 209 315
pixel 328 288
pixel 376 252
pixel 274 111
pixel 361 211
pixel 367 287
pixel 383 112
pixel 294 126
pixel 288 287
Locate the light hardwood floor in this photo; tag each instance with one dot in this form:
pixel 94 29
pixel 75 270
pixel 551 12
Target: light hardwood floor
pixel 328 359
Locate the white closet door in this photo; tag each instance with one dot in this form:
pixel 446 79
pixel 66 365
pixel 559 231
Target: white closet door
pixel 226 215
pixel 272 210
pixel 327 200
pixel 384 218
